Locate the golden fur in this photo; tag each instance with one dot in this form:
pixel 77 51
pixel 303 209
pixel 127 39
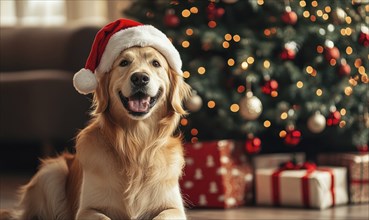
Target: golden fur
pixel 126 166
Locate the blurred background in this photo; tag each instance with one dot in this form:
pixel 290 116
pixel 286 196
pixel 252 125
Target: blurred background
pixel 276 76
pixel 275 82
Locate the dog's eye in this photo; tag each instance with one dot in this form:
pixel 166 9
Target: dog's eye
pixel 124 63
pixel 156 63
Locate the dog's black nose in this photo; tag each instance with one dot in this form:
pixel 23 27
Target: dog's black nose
pixel 140 79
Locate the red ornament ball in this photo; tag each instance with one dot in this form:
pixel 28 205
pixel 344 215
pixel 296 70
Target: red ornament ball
pixel 253 145
pixel 289 17
pixel 171 19
pixel 214 12
pixel 269 87
pixel 334 118
pixel 288 54
pixel 363 148
pixel 331 53
pixel 363 38
pixel 293 137
pixel 344 69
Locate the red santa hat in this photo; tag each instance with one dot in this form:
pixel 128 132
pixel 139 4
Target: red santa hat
pixel 111 40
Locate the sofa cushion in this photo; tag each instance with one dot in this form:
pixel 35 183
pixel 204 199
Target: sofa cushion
pixel 40 105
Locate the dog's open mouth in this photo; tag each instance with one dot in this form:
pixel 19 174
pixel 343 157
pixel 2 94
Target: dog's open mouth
pixel 139 103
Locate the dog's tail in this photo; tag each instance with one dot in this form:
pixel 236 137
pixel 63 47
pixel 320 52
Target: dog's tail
pixel 10 214
pixel 44 196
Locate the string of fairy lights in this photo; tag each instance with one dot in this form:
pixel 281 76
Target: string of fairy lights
pixel 356 72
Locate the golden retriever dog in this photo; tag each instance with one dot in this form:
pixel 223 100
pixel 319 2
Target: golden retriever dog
pixel 128 159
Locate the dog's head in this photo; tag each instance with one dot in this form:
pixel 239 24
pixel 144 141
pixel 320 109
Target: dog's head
pixel 140 84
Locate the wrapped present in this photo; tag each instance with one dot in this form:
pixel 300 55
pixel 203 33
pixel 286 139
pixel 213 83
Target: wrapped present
pixel 358 172
pixel 216 175
pixel 301 186
pixel 275 160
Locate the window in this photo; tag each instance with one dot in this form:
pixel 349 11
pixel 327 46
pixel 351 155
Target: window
pixel 7 13
pixel 43 12
pixel 58 12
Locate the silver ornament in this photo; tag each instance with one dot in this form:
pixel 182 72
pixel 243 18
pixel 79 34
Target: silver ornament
pixel 194 103
pixel 250 106
pixel 316 123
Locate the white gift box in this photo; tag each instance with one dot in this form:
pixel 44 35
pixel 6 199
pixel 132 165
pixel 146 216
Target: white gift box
pixel 289 188
pixel 276 159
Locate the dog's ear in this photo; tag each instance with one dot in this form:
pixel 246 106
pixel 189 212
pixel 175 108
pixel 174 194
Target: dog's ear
pixel 101 96
pixel 180 91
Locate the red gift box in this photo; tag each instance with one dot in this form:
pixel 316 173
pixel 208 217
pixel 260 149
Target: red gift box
pixel 216 175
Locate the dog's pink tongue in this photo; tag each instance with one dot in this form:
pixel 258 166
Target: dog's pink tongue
pixel 139 105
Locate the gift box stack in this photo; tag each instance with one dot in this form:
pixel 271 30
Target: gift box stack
pixel 358 172
pixel 286 180
pixel 216 175
pixel 301 185
pixel 273 160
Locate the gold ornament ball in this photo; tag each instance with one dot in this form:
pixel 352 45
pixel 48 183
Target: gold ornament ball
pixel 250 107
pixel 194 103
pixel 316 123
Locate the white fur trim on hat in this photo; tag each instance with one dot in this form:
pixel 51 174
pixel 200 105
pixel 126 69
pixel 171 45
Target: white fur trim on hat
pixel 143 35
pixel 84 81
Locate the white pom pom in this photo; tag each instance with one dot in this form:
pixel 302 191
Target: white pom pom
pixel 84 81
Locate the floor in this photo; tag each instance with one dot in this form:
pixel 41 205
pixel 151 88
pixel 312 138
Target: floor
pixel 10 182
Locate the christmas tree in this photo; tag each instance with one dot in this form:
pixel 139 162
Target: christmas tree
pixel 279 75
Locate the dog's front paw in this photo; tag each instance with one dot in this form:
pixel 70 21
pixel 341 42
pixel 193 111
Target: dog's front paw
pixel 171 214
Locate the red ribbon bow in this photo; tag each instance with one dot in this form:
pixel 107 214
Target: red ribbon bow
pixel 309 166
